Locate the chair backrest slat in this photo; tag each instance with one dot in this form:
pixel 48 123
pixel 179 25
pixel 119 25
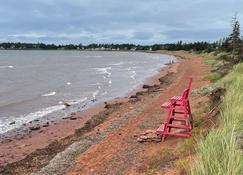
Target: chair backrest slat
pixel 185 94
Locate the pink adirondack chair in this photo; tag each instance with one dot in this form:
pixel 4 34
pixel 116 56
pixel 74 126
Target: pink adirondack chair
pixel 175 106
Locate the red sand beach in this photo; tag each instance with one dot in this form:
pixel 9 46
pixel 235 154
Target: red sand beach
pixel 112 127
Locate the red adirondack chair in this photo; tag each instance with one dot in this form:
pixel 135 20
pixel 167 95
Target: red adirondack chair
pixel 175 106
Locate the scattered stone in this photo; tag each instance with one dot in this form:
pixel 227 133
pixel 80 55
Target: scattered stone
pixel 149 136
pixel 146 86
pixel 12 123
pixel 46 125
pixel 73 118
pixel 34 128
pixel 107 105
pixel 66 104
pixel 139 93
pixel 36 120
pixel 94 100
pixel 133 96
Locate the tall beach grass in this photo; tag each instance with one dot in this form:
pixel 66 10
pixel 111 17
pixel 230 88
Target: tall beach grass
pixel 219 153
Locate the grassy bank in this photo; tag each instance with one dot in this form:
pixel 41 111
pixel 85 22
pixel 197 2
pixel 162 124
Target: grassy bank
pixel 219 153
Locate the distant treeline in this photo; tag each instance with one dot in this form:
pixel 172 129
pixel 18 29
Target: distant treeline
pixel 197 46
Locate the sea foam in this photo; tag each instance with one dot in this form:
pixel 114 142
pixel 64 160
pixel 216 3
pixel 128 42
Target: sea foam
pixel 49 94
pixel 19 121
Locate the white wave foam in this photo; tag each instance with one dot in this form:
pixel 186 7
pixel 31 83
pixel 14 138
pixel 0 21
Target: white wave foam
pixel 95 94
pixel 49 94
pixel 78 101
pixel 68 83
pixel 117 64
pixel 104 93
pixel 110 82
pixel 4 67
pixel 5 127
pixel 94 56
pixel 133 74
pixel 104 71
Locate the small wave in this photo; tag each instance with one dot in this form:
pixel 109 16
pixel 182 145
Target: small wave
pixel 5 127
pixel 49 94
pixel 5 67
pixel 104 93
pixel 117 64
pixel 78 101
pixel 95 56
pixel 133 74
pixel 104 71
pixel 68 83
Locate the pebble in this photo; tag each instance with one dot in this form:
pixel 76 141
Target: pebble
pixel 34 128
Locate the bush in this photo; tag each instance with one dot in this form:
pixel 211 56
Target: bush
pixel 214 76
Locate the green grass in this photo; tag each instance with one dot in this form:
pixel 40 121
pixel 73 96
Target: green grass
pixel 214 76
pixel 219 153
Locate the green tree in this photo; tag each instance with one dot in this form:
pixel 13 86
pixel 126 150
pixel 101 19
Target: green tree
pixel 234 37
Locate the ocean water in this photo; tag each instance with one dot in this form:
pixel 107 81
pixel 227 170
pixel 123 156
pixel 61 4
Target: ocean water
pixel 36 84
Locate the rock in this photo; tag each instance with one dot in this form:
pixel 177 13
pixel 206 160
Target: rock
pixel 34 128
pixel 140 140
pixel 133 96
pixel 149 136
pixel 94 100
pixel 66 104
pixel 12 123
pixel 46 125
pixel 149 131
pixel 107 105
pixel 73 118
pixel 147 86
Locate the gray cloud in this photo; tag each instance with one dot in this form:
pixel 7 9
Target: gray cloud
pixel 107 21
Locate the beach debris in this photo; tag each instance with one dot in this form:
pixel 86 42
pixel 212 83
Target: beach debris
pixel 12 123
pixel 149 136
pixel 34 128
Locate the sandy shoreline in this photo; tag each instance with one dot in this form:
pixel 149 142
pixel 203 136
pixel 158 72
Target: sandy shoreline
pixel 17 147
pixel 106 143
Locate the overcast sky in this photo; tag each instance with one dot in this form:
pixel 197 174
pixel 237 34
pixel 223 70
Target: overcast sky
pixel 116 21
